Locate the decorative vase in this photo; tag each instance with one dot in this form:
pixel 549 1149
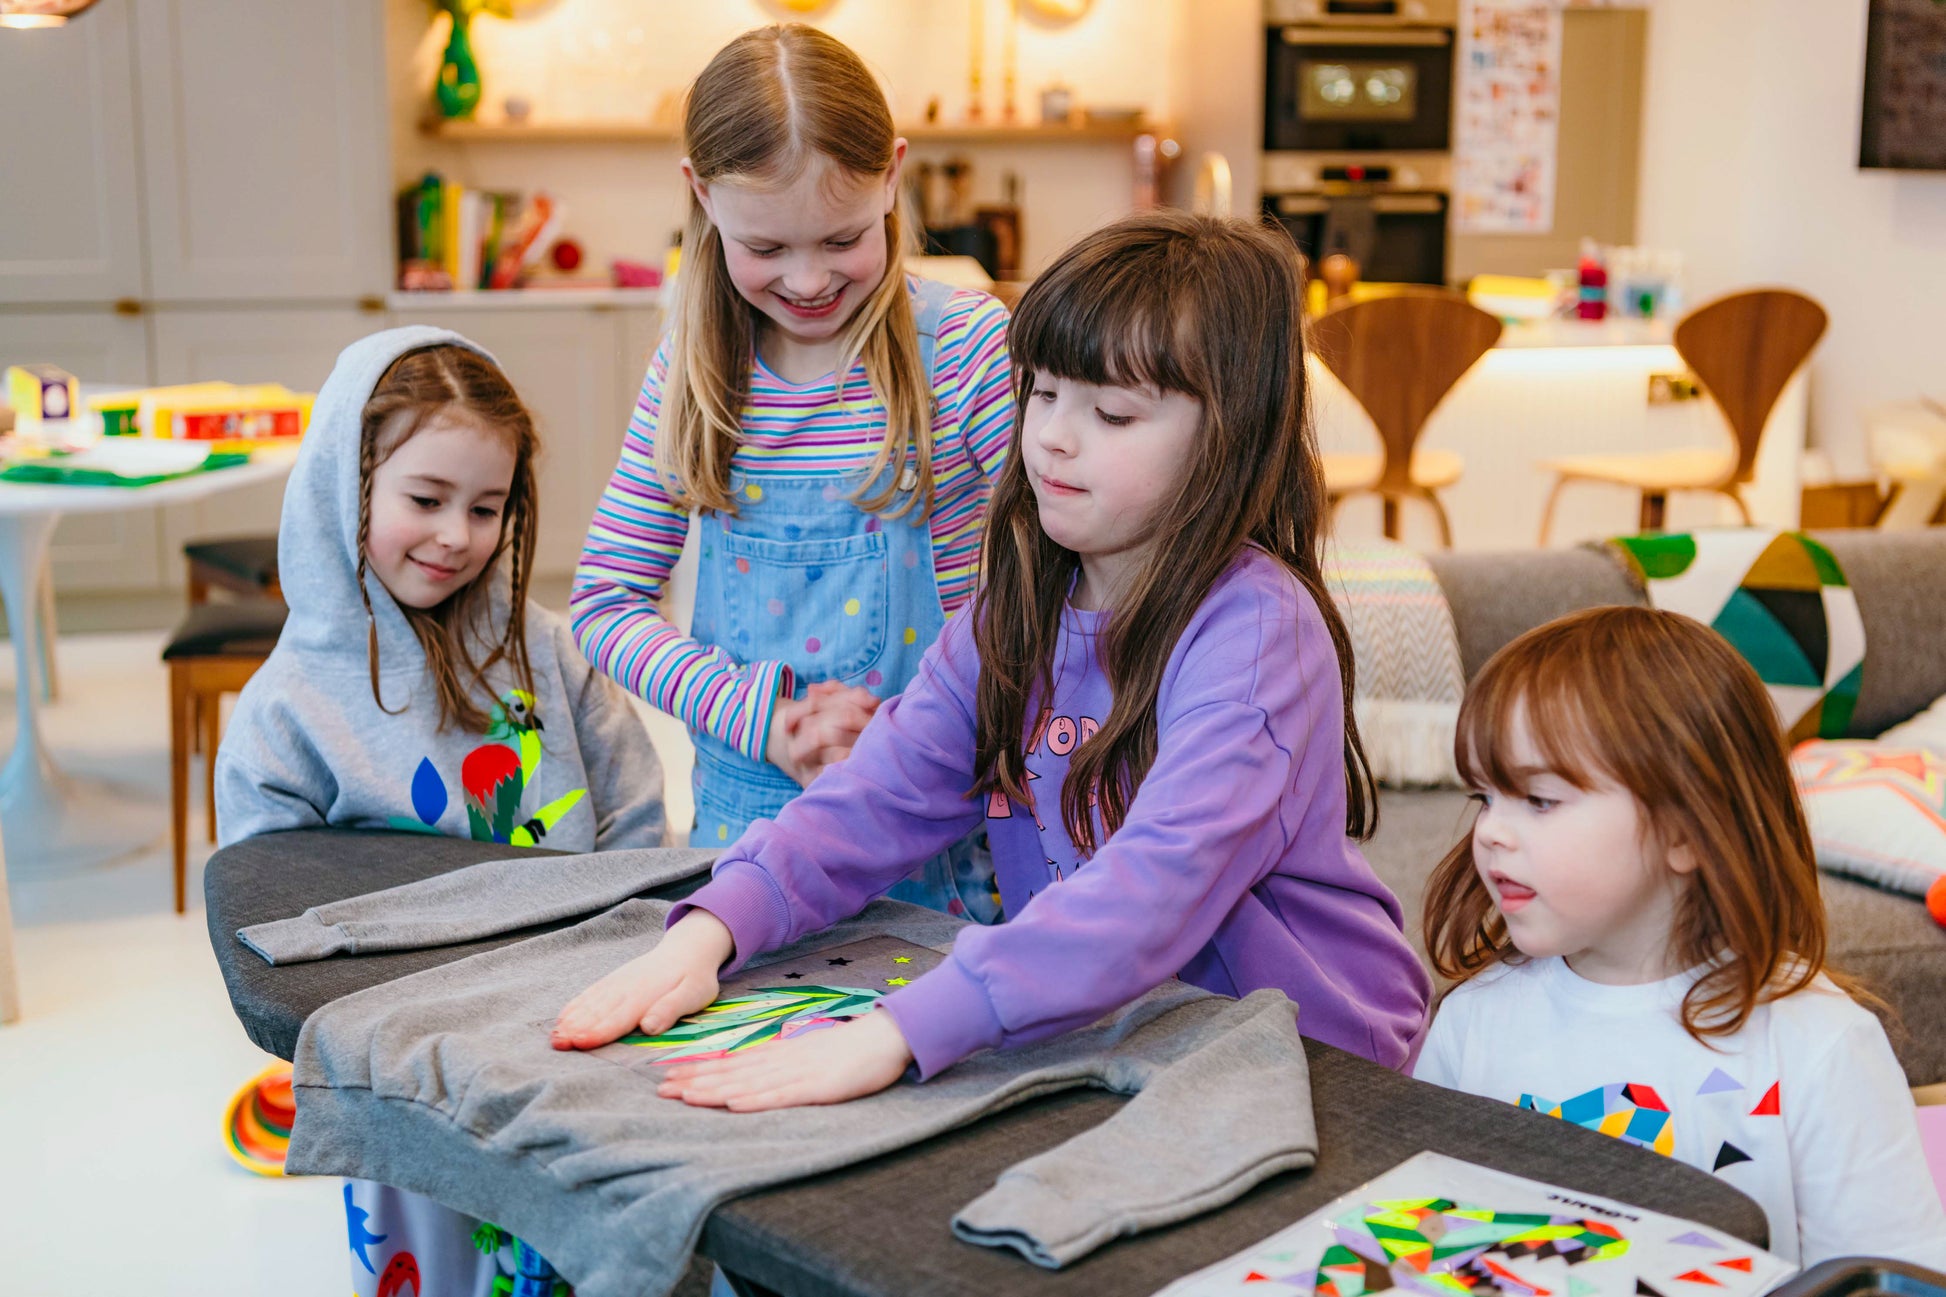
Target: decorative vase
pixel 457 92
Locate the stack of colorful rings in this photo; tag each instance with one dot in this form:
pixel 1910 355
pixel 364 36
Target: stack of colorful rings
pixel 257 1123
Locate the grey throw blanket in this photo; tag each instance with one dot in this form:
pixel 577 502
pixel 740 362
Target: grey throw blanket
pixel 444 1083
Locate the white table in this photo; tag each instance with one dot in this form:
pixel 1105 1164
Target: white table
pixel 48 818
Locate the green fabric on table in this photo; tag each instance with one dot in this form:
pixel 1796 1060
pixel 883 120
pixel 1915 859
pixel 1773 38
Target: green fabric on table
pixel 1781 599
pixel 52 472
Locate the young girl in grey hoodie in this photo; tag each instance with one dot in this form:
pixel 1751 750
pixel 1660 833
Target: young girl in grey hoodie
pixel 458 708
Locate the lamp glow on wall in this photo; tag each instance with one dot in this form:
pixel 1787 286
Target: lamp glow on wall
pixel 40 13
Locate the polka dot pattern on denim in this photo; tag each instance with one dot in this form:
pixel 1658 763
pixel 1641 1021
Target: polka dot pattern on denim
pixel 776 607
pixel 851 607
pixel 873 679
pixel 813 644
pixel 753 492
pixel 911 635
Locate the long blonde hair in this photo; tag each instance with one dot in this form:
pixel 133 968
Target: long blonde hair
pixel 770 103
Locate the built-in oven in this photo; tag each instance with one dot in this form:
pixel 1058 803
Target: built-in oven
pixel 1358 106
pixel 1358 75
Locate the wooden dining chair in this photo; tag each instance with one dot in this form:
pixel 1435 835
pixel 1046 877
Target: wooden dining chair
pixel 1399 356
pixel 1743 349
pixel 215 651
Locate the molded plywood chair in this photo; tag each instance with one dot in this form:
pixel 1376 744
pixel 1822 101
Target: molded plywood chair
pixel 1399 356
pixel 1744 349
pixel 9 980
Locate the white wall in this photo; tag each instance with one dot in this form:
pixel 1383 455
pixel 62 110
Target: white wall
pixel 621 58
pixel 1750 168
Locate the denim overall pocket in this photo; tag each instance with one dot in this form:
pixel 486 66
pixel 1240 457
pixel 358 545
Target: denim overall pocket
pixel 835 592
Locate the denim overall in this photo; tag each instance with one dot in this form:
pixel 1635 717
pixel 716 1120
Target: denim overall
pixel 802 576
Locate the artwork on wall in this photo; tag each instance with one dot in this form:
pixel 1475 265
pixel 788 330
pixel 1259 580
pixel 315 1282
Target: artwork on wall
pixel 1507 109
pixel 1904 122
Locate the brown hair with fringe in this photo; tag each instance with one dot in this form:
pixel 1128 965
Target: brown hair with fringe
pixel 772 103
pixel 1192 304
pixel 459 384
pixel 1662 706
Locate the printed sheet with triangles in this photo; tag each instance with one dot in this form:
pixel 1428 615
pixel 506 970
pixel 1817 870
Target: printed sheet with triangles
pixel 1435 1226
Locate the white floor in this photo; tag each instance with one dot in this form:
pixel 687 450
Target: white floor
pixel 113 1177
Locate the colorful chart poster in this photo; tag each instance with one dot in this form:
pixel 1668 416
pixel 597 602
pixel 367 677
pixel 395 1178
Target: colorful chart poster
pixel 1435 1226
pixel 1507 116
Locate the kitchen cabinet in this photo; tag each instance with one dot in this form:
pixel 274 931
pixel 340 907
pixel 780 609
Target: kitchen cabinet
pixel 266 158
pixel 69 209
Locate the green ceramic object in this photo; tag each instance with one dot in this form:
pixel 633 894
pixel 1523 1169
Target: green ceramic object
pixel 457 92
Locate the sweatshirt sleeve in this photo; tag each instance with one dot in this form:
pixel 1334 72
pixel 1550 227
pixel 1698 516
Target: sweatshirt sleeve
pixel 268 778
pixel 899 799
pixel 624 772
pixel 633 544
pixel 1857 1163
pixel 1216 1059
pixel 1211 819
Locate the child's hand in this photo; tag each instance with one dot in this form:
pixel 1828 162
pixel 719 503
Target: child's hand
pixel 649 993
pixel 818 730
pixel 848 1061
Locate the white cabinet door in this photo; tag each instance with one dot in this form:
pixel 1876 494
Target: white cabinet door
pixel 93 551
pixel 69 200
pixel 563 364
pixel 294 347
pixel 266 159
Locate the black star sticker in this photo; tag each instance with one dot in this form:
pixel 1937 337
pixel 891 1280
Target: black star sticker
pixel 839 962
pixel 793 976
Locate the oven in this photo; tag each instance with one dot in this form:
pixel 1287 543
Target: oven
pixel 1388 214
pixel 1358 75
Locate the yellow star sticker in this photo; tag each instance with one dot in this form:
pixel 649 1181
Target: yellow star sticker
pixel 902 959
pixel 896 981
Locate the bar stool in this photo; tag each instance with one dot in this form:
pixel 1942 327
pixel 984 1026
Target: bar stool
pixel 1399 356
pixel 1744 348
pixel 215 651
pixel 245 565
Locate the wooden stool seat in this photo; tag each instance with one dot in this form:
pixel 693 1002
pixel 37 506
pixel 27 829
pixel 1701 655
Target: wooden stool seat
pixel 214 651
pixel 1744 348
pixel 246 565
pixel 1429 470
pixel 1399 356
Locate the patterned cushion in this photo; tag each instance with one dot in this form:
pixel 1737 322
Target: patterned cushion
pixel 1781 600
pixel 1876 811
pixel 1409 680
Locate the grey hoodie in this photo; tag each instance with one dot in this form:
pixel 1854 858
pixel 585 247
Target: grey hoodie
pixel 444 1083
pixel 571 768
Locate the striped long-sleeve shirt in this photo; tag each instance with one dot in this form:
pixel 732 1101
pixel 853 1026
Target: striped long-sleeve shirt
pixel 789 430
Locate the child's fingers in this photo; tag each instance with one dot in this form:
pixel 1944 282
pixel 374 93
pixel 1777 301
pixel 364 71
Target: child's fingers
pixel 685 997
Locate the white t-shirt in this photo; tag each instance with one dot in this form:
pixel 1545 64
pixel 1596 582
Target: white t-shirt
pixel 1804 1109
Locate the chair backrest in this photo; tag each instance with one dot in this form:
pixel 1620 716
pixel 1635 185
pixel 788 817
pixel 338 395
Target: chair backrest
pixel 1398 356
pixel 1744 348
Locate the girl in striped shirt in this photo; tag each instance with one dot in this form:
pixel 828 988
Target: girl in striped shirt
pixel 832 425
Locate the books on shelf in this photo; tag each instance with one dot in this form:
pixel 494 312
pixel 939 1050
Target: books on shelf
pixel 452 236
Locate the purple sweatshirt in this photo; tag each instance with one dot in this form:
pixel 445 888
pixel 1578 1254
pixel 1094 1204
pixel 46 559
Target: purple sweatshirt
pixel 1232 870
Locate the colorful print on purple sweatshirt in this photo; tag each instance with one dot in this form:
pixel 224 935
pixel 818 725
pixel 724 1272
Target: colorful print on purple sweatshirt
pixel 1232 870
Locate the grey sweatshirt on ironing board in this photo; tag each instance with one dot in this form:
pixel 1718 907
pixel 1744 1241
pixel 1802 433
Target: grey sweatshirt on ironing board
pixel 445 1083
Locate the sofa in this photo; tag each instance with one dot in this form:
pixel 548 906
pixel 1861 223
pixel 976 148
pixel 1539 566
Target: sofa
pixel 1884 938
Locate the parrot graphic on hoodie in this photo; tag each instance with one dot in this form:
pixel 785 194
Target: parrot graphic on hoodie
pixel 494 778
pixel 329 734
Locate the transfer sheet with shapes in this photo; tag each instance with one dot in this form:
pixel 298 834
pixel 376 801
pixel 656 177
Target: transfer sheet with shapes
pixel 1435 1226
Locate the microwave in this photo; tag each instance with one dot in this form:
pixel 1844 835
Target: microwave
pixel 1334 85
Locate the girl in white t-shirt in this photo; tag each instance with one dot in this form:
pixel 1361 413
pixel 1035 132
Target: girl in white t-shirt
pixel 1637 931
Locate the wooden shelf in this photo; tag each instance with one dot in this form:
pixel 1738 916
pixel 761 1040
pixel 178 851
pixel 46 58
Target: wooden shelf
pixel 642 133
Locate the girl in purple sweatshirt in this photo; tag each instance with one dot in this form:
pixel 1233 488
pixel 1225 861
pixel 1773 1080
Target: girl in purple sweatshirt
pixel 1148 707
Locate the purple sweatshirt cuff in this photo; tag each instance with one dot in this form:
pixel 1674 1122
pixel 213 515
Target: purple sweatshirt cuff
pixel 944 1016
pixel 748 903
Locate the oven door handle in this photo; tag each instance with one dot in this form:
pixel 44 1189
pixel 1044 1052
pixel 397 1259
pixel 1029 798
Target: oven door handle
pixel 1407 205
pixel 1365 36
